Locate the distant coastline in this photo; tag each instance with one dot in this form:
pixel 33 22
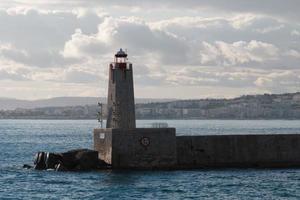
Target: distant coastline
pixel 267 106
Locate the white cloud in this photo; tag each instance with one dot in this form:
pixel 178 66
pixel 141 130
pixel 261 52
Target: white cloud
pixel 269 29
pixel 188 22
pixel 295 33
pixel 5 75
pixel 269 81
pixel 131 33
pixel 77 76
pixel 36 37
pixel 82 46
pixel 280 81
pixel 244 21
pixel 59 45
pixel 263 81
pixel 8 51
pixel 284 9
pixel 221 53
pixel 293 53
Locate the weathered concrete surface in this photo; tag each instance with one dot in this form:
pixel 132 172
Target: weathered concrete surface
pixel 120 100
pixel 140 148
pixel 161 149
pixel 103 144
pixel 238 151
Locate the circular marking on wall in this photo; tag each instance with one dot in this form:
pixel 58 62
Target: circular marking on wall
pixel 145 141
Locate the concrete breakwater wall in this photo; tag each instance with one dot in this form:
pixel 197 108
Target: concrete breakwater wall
pixel 160 148
pixel 238 151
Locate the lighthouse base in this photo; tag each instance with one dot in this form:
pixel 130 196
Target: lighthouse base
pixel 139 148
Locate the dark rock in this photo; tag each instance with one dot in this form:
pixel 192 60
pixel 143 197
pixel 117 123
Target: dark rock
pixel 81 159
pixel 52 159
pixel 60 167
pixel 39 161
pixel 74 160
pixel 25 166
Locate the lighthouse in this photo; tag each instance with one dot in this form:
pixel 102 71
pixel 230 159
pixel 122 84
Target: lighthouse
pixel 120 100
pixel 121 144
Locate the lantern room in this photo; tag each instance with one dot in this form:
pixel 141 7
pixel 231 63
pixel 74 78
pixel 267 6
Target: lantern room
pixel 120 60
pixel 121 56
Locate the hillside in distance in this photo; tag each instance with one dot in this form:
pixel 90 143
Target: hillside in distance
pixel 267 106
pixel 11 104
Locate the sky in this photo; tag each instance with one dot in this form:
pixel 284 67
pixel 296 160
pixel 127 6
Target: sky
pixel 179 49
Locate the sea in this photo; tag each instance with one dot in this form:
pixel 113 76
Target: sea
pixel 21 139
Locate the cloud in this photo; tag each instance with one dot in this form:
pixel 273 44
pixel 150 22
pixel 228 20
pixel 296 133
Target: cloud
pixel 36 37
pixel 280 81
pixel 77 76
pixel 69 44
pixel 293 53
pixel 131 33
pixel 179 41
pixel 5 75
pixel 216 37
pixel 81 46
pixel 8 51
pixel 287 9
pixel 295 33
pixel 207 76
pixel 240 52
pixel 230 79
pixel 224 41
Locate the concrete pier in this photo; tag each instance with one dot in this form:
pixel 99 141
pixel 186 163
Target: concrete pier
pixel 161 149
pixel 238 151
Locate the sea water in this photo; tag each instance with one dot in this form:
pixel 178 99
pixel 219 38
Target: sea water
pixel 21 139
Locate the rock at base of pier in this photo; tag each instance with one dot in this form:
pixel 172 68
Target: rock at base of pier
pixel 74 160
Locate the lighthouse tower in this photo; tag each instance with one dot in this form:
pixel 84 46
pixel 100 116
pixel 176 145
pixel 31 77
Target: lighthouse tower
pixel 121 144
pixel 120 100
